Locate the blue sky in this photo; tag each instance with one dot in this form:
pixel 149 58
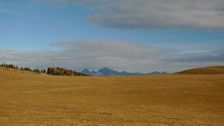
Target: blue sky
pixel 35 26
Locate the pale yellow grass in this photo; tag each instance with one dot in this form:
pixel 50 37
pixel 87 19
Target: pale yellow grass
pixel 28 99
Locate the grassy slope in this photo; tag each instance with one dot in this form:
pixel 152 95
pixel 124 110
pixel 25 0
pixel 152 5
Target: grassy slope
pixel 205 70
pixel 28 99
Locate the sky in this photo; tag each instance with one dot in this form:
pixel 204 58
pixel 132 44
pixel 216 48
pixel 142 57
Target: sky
pixel 130 35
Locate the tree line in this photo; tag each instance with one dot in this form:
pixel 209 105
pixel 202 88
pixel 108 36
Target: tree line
pixel 63 71
pixel 50 71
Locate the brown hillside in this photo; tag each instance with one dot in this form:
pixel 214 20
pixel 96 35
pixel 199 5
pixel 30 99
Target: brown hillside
pixel 205 70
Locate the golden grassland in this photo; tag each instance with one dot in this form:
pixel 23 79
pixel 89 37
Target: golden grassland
pixel 28 99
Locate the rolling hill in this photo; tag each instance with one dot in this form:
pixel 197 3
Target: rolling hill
pixel 31 99
pixel 205 70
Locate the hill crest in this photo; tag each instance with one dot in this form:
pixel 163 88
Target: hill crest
pixel 204 70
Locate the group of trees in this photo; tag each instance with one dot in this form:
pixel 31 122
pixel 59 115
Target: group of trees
pixel 63 72
pixel 50 70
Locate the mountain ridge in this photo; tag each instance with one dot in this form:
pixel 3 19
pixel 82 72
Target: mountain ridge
pixel 110 72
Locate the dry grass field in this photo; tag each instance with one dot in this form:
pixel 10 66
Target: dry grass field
pixel 28 99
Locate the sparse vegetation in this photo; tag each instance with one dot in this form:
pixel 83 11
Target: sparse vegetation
pixel 9 66
pixel 50 70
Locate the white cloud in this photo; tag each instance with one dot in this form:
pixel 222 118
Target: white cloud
pixel 206 14
pixel 117 55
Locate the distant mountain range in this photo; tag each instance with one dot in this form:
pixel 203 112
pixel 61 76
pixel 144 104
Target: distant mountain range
pixel 111 72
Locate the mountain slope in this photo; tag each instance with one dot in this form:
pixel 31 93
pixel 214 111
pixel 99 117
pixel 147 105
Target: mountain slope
pixel 205 70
